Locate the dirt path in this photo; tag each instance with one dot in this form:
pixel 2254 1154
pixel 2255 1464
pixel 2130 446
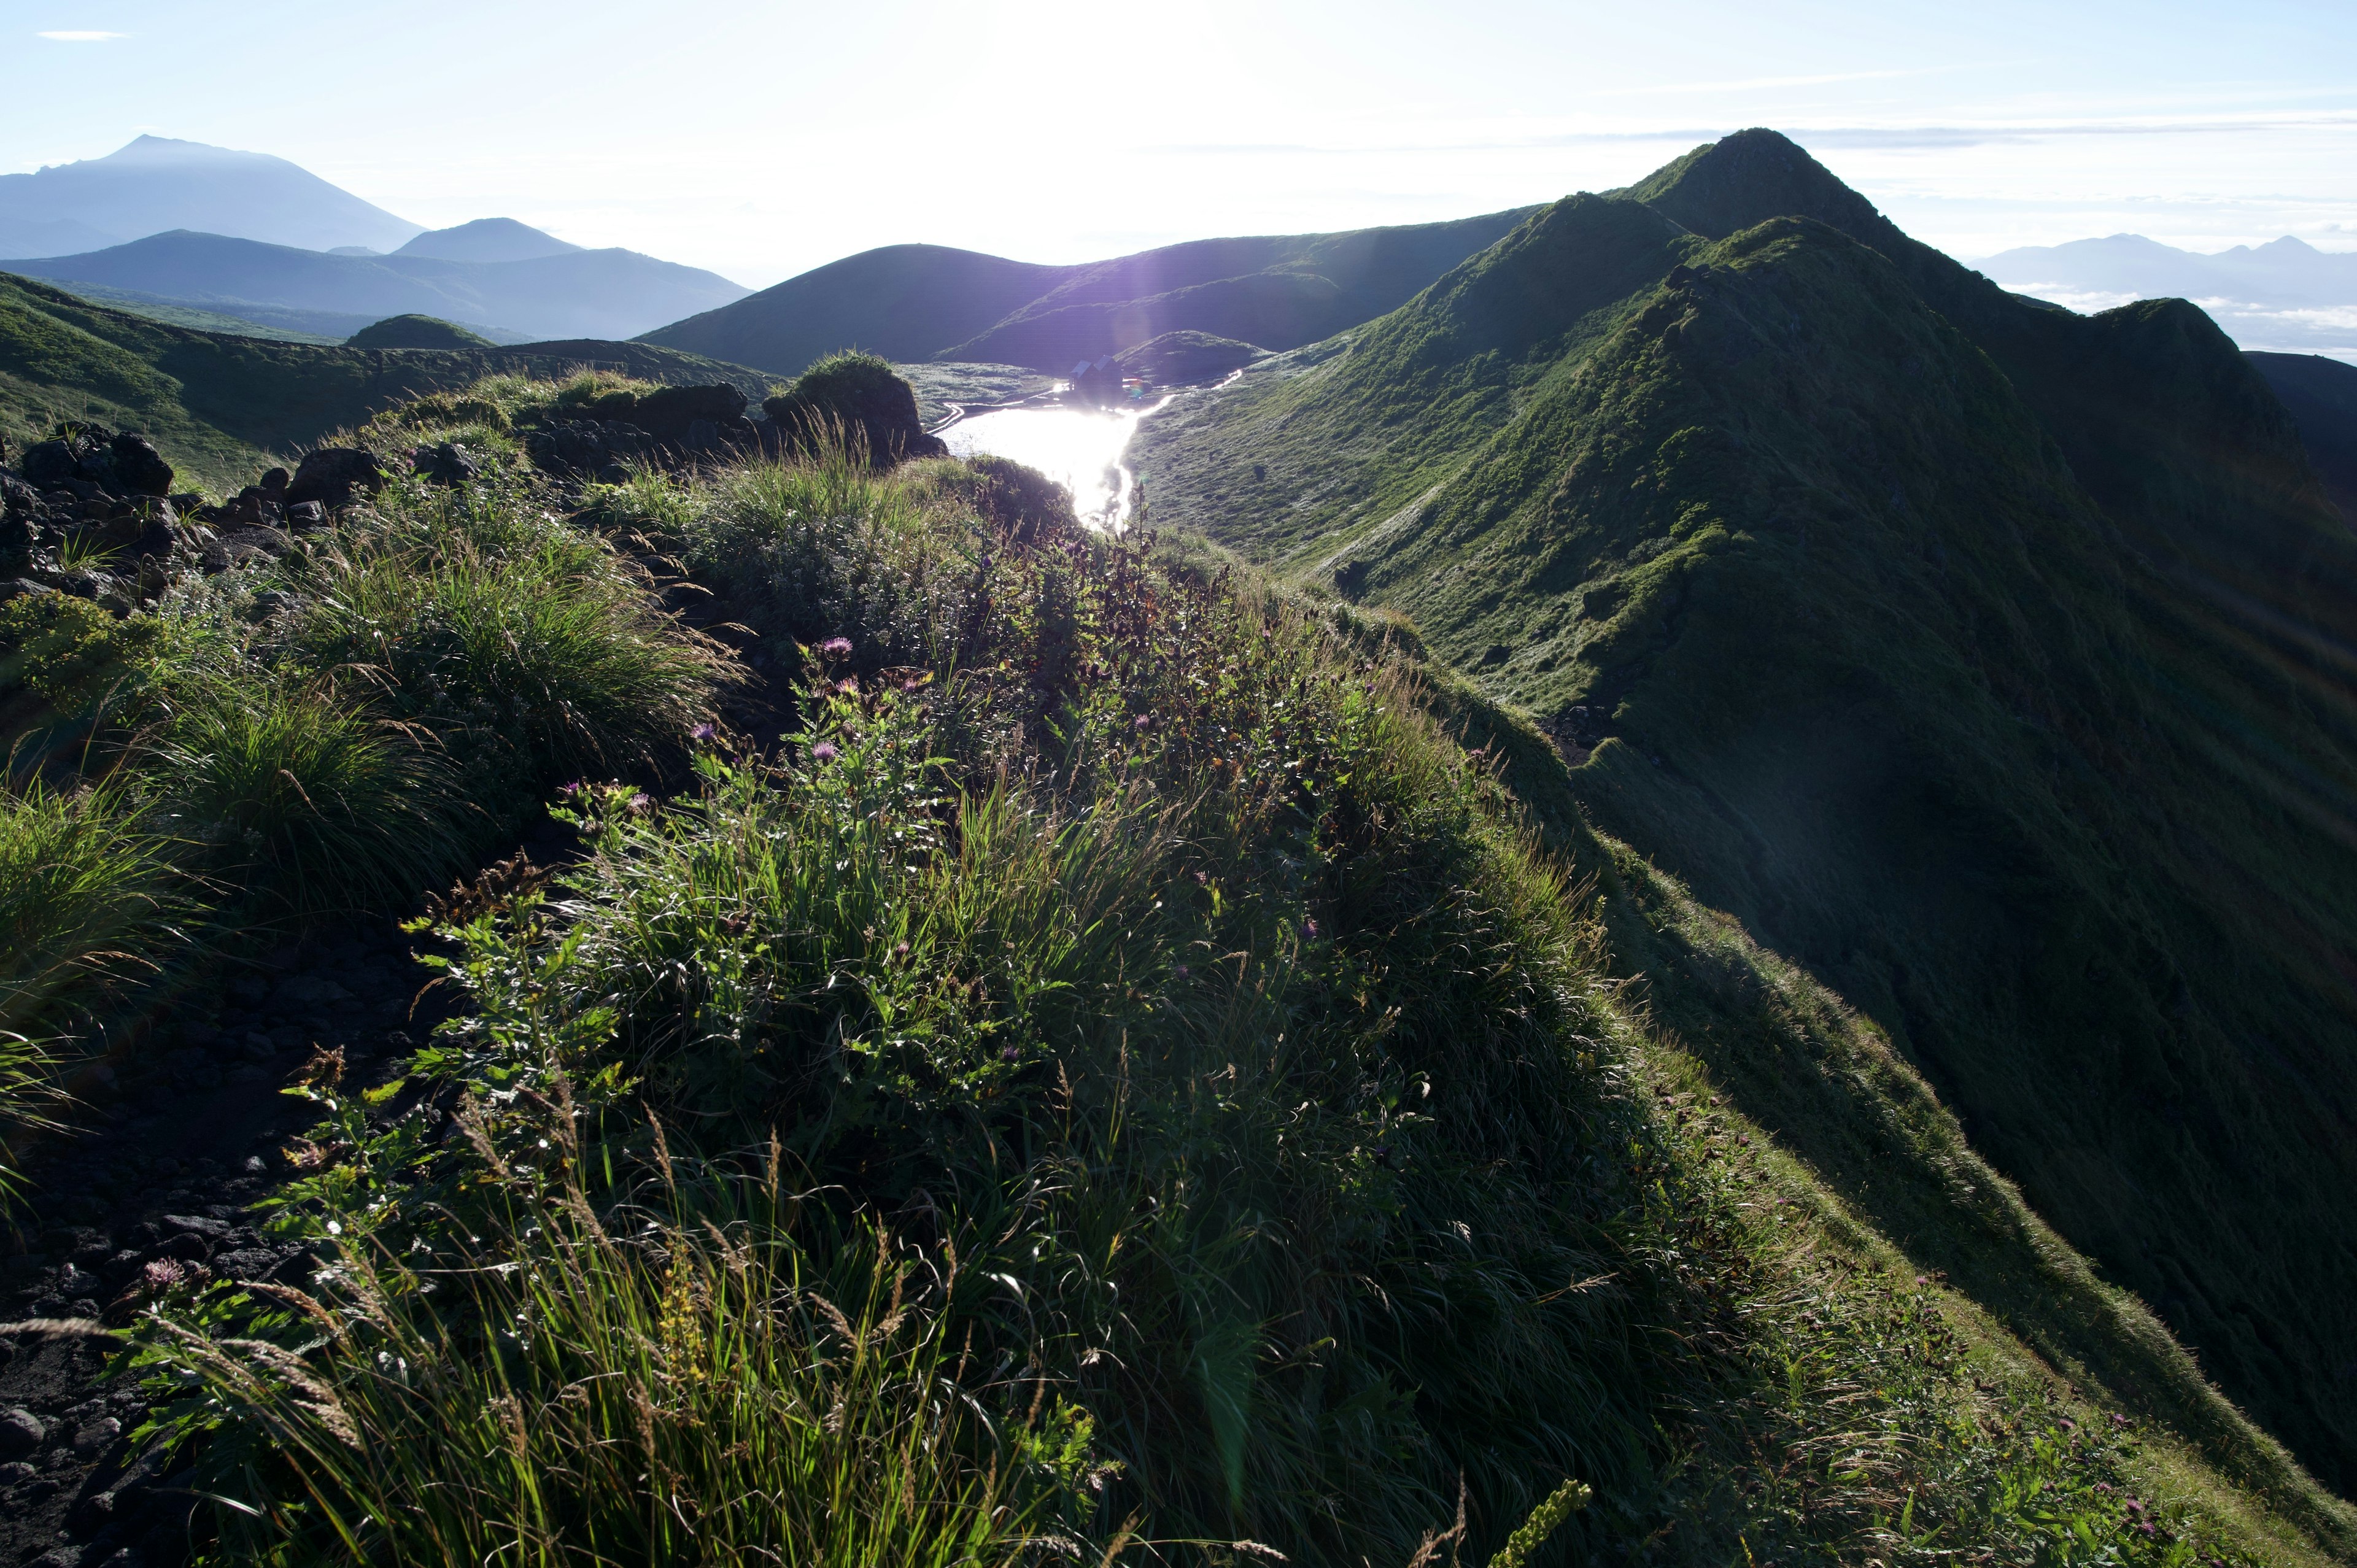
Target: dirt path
pixel 162 1174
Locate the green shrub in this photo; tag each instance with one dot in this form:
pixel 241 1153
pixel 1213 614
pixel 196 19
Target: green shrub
pixel 824 546
pixel 316 805
pixel 87 906
pixel 677 1385
pixel 68 652
pixel 86 899
pixel 520 642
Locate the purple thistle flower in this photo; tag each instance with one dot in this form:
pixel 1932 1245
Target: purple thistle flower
pixel 836 648
pixel 641 801
pixel 1143 720
pixel 1182 971
pixel 163 1273
pixel 703 733
pixel 1309 930
pixel 570 790
pixel 1008 1054
pixel 824 751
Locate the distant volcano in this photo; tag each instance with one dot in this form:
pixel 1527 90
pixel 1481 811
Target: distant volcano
pixel 155 184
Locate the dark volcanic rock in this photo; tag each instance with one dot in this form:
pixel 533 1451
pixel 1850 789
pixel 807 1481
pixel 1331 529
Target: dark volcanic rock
pixel 668 412
pixel 140 467
pixel 448 464
pixel 21 1432
pixel 49 464
pixel 331 475
pixel 584 447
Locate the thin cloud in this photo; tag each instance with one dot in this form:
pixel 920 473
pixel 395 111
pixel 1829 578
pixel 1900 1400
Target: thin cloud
pixel 80 38
pixel 1881 137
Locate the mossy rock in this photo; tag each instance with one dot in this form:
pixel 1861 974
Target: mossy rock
pixel 861 396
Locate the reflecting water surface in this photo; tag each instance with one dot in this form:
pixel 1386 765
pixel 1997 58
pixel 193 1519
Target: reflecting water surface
pixel 1078 447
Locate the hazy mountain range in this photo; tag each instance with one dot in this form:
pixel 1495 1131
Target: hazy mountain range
pixel 2284 295
pixel 565 292
pixel 172 227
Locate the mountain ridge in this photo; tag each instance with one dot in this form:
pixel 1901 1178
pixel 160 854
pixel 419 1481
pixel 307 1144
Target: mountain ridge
pixel 930 302
pixel 1975 654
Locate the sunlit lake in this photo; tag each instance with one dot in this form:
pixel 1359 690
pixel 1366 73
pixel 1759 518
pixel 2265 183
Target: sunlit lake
pixel 1079 448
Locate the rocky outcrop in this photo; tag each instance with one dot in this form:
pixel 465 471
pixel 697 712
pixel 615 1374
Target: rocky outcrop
pixel 101 494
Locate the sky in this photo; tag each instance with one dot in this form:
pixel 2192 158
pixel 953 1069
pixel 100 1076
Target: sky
pixel 762 140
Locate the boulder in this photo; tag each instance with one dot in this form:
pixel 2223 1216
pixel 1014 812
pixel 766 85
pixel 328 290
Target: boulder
pixel 305 516
pixel 21 1432
pixel 668 412
pixel 139 468
pixel 331 476
pixel 448 464
pixel 47 464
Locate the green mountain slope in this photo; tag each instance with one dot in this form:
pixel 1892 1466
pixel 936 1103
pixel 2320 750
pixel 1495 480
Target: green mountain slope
pixel 929 302
pixel 1977 656
pixel 217 404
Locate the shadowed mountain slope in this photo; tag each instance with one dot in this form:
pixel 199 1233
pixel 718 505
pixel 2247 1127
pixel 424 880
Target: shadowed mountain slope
pixel 1986 660
pixel 903 302
pixel 920 302
pixel 2322 396
pixel 573 294
pixel 155 184
pixel 215 404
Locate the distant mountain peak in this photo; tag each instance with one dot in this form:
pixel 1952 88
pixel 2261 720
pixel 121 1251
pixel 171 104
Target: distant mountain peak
pixel 152 184
pixel 486 240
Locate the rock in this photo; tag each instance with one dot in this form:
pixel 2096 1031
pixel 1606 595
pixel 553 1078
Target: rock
pixel 197 1223
pixel 448 464
pixel 20 586
pixel 331 476
pixel 79 1283
pixel 582 447
pixel 247 1263
pixel 668 412
pixel 305 992
pixel 15 1471
pixel 303 517
pixel 47 464
pixel 274 484
pixel 95 1437
pixel 139 468
pixel 187 1247
pixel 21 1432
pixel 58 1557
